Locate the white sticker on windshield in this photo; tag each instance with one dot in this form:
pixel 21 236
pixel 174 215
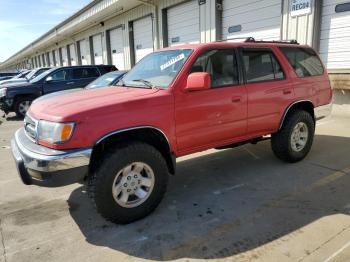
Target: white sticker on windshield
pixel 172 61
pixel 110 79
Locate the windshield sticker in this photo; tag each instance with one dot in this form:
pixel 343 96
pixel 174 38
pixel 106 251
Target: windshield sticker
pixel 172 61
pixel 110 79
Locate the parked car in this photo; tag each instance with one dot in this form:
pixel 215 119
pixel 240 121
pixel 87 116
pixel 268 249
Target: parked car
pixel 109 79
pixel 31 75
pixel 174 102
pixel 18 97
pixel 4 76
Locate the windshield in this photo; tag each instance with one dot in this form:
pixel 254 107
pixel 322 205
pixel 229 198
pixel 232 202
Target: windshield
pixel 42 75
pixel 157 69
pixel 105 80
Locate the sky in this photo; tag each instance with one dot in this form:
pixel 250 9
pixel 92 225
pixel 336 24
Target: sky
pixel 23 21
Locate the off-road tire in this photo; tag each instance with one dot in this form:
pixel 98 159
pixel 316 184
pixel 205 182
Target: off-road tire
pixel 281 141
pixel 100 182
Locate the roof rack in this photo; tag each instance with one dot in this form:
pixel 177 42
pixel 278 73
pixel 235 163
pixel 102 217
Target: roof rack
pixel 252 40
pixel 293 42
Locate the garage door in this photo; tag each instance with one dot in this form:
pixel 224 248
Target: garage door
pixel 143 37
pixel 73 56
pixel 183 24
pixel 259 19
pixel 117 48
pixel 335 34
pixel 84 51
pixel 97 49
pixel 51 59
pixel 57 56
pixel 64 56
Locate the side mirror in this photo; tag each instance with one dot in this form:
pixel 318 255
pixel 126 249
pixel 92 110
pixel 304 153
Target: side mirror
pixel 49 79
pixel 198 81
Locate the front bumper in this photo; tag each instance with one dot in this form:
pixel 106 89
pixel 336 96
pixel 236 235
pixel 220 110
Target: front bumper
pixel 323 111
pixel 39 165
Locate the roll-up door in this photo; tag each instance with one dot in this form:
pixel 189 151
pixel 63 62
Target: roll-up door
pixel 258 19
pixel 84 51
pixel 117 48
pixel 335 34
pixel 143 37
pixel 64 56
pixel 183 23
pixel 97 49
pixel 73 56
pixel 57 56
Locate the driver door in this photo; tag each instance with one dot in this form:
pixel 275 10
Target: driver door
pixel 216 116
pixel 57 81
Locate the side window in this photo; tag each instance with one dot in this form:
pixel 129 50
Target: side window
pixel 79 73
pixel 61 75
pixel 261 65
pixel 221 65
pixel 304 61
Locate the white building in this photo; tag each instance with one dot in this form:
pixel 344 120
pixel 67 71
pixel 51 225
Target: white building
pixel 121 32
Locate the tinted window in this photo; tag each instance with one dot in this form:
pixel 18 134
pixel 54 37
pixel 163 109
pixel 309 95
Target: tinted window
pixel 220 64
pixel 60 75
pixel 304 61
pixel 79 73
pixel 106 69
pixel 261 65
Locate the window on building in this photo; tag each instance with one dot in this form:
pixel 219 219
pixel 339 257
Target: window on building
pixel 342 7
pixel 304 61
pixel 261 65
pixel 221 65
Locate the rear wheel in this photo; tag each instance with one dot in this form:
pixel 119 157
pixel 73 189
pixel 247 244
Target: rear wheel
pixel 22 105
pixel 129 183
pixel 293 142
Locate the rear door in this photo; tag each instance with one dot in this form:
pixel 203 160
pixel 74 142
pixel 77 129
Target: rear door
pixel 82 76
pixel 57 81
pixel 269 90
pixel 217 116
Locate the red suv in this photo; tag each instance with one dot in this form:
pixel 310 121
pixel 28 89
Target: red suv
pixel 124 140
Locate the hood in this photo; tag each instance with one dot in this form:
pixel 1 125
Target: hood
pixel 10 86
pixel 67 107
pixel 13 81
pixel 56 94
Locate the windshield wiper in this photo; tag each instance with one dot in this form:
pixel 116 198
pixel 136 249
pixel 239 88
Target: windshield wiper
pixel 120 81
pixel 145 82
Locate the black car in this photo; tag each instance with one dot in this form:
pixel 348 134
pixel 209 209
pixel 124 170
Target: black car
pixel 108 79
pixel 18 97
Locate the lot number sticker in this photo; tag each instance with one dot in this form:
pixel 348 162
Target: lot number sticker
pixel 300 7
pixel 172 61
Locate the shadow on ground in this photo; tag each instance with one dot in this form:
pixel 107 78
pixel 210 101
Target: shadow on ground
pixel 228 202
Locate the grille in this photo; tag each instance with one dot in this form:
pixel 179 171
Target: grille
pixel 30 127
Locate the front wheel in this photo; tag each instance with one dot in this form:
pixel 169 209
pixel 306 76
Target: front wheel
pixel 22 105
pixel 293 142
pixel 129 183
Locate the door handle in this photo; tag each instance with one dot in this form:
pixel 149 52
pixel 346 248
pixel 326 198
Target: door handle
pixel 287 91
pixel 236 99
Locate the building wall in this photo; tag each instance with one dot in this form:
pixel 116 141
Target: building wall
pixel 308 29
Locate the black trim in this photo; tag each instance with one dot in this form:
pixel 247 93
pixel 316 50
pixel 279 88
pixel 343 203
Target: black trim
pixel 91 46
pixel 79 52
pixel 68 55
pixel 131 43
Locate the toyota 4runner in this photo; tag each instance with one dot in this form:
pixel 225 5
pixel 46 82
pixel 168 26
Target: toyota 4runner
pixel 124 140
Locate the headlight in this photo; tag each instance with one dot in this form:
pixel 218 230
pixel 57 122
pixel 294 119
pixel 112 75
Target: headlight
pixel 55 133
pixel 3 92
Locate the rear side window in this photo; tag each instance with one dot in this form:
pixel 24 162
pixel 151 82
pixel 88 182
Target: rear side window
pixel 261 65
pixel 79 73
pixel 107 69
pixel 304 61
pixel 221 65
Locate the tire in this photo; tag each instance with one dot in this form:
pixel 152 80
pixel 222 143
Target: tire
pixel 283 143
pixel 112 168
pixel 22 104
